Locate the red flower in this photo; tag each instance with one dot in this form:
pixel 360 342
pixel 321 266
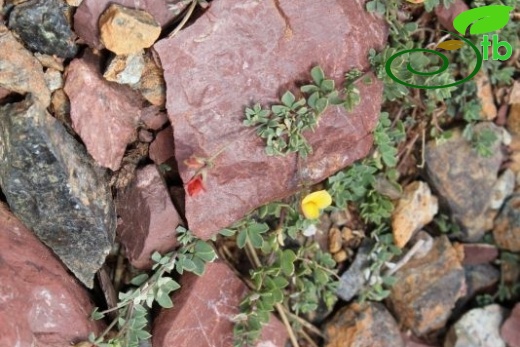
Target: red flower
pixel 195 185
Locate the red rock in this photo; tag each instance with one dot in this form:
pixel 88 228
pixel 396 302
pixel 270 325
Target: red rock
pixel 206 102
pixel 203 311
pixel 479 253
pixel 445 16
pixel 154 118
pixel 148 217
pixel 510 330
pixel 162 148
pixel 40 303
pixel 412 341
pixel 104 114
pixel 88 13
pixel 4 92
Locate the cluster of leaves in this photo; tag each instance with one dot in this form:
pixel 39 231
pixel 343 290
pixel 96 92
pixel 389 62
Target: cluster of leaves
pixel 506 290
pixel 134 304
pixel 294 278
pixel 282 125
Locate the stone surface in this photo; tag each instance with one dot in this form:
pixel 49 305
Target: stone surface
pixel 513 119
pixel 40 303
pixel 414 210
pixel 203 312
pixel 485 96
pixel 507 225
pixel 412 341
pixel 125 31
pixel 153 118
pixel 53 79
pixel 55 189
pixel 20 72
pixel 125 69
pixel 50 61
pixel 87 16
pixel 363 326
pixel 353 280
pixel 162 148
pixel 151 85
pixel 427 289
pixel 43 27
pixel 479 278
pixel 464 180
pixel 103 114
pixel 510 330
pixel 445 16
pixel 206 101
pixel 479 253
pixel 148 217
pixel 477 328
pixel 504 187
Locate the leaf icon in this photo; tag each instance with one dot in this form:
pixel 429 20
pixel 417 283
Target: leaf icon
pixel 450 45
pixel 482 19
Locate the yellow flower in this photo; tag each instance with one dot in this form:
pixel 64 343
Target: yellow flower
pixel 314 202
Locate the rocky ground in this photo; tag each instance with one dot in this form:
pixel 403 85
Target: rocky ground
pixel 145 200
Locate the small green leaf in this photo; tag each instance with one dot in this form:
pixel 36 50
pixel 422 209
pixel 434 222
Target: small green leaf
pixel 96 315
pixel 205 251
pixel 139 279
pixel 287 262
pixel 317 75
pixel 242 238
pixel 227 232
pixel 164 300
pixel 288 99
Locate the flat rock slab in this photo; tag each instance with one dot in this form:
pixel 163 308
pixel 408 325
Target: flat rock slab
pixel 148 217
pixel 87 16
pixel 242 52
pixel 104 114
pixel 203 313
pixel 40 303
pixel 54 188
pixel 465 180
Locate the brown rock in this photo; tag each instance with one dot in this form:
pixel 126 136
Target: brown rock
pixel 148 217
pixel 88 13
pixel 206 101
pixel 367 325
pixel 427 289
pixel 53 79
pixel 41 304
pixel 465 180
pixel 335 241
pixel 145 136
pixel 485 95
pixel 4 92
pixel 412 341
pixel 60 107
pixel 340 256
pixel 514 96
pixel 162 148
pixel 415 209
pixel 153 118
pixel 513 119
pixel 151 84
pixel 479 253
pixel 50 61
pixel 104 114
pixel 203 313
pixel 507 225
pixel 445 16
pixel 20 72
pixel 510 330
pixel 127 31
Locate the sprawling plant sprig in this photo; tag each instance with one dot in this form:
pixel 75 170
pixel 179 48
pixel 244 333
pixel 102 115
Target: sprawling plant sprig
pixel 289 275
pixel 134 304
pixel 282 125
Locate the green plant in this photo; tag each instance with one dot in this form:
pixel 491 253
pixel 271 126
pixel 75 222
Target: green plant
pixel 289 274
pixel 282 125
pixel 134 304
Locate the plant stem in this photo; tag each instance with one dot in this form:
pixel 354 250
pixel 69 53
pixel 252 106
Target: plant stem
pixel 185 19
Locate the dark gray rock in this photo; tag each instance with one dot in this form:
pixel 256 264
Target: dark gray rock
pixel 43 26
pixel 53 187
pixel 465 180
pixel 352 280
